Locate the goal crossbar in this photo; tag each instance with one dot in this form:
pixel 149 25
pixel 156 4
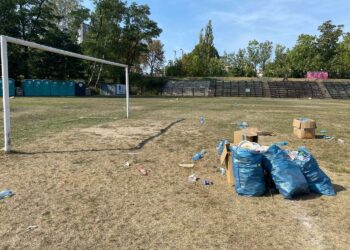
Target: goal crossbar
pixel 4 40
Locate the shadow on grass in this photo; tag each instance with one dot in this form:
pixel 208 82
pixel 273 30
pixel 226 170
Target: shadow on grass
pixel 137 147
pixel 273 192
pixel 311 196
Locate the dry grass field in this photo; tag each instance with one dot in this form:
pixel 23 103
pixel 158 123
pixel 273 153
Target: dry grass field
pixel 70 181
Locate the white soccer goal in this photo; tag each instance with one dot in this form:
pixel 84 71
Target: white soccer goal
pixel 5 78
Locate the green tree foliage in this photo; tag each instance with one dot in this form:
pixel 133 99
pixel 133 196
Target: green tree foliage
pixel 238 64
pixel 117 32
pixel 204 59
pixel 280 67
pixel 154 58
pixel 341 61
pixel 328 42
pixel 34 20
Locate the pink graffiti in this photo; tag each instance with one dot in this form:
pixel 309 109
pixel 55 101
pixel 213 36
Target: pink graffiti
pixel 322 75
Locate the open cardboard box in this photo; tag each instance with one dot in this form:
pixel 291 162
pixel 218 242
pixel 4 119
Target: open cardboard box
pixel 252 134
pixel 304 128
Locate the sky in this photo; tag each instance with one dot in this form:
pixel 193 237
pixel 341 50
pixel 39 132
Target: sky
pixel 236 22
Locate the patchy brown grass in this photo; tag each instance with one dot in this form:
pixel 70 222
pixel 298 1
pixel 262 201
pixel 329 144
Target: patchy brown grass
pixel 70 180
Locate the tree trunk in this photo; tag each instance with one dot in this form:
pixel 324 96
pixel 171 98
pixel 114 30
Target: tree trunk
pixel 99 75
pixel 92 74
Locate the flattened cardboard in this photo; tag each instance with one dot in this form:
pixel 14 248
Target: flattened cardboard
pixel 229 171
pixel 226 157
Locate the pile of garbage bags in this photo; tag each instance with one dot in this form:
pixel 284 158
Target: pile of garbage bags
pixel 292 173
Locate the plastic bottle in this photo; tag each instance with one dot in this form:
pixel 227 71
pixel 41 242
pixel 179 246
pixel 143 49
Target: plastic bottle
pixel 5 193
pixel 198 156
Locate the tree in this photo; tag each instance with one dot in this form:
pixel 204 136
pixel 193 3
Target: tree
pixel 204 59
pixel 154 58
pixel 104 36
pixel 265 51
pixel 304 56
pixel 238 64
pixel 137 32
pixel 254 54
pixel 341 61
pixel 280 67
pixel 327 43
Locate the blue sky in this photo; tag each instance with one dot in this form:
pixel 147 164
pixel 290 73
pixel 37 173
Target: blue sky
pixel 235 22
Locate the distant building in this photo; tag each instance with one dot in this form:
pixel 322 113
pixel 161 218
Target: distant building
pixel 82 32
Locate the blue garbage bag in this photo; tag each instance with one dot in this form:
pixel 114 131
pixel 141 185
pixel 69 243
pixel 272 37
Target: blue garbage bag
pixel 248 172
pixel 317 180
pixel 286 174
pixel 221 146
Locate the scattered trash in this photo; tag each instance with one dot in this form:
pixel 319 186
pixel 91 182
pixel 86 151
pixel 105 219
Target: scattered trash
pixel 142 170
pixel 193 178
pixel 201 120
pixel 341 141
pixel 127 164
pixel 5 193
pixel 187 165
pixel 243 126
pixel 252 146
pixel 329 138
pixel 198 156
pixel 223 171
pixel 323 131
pixel 29 228
pixel 221 146
pixel 208 182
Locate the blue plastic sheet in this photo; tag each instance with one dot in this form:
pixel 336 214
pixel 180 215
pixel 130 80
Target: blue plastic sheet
pixel 317 180
pixel 286 174
pixel 248 172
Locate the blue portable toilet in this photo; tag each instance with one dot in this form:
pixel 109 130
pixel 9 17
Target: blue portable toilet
pixel 80 89
pixel 37 88
pixel 61 88
pixel 46 91
pixel 27 86
pixel 70 88
pixel 11 87
pixel 54 88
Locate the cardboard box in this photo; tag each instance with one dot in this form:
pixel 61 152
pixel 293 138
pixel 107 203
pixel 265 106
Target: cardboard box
pixel 304 133
pixel 226 158
pixel 304 128
pixel 251 135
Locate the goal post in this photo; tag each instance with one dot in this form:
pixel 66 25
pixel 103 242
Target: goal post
pixel 4 40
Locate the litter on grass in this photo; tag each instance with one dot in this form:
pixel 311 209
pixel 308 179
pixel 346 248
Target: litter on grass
pixel 193 178
pixel 198 156
pixel 29 228
pixel 207 182
pixel 5 193
pixel 142 170
pixel 259 168
pixel 187 165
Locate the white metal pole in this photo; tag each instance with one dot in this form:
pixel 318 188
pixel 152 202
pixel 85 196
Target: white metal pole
pixel 5 94
pixel 127 90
